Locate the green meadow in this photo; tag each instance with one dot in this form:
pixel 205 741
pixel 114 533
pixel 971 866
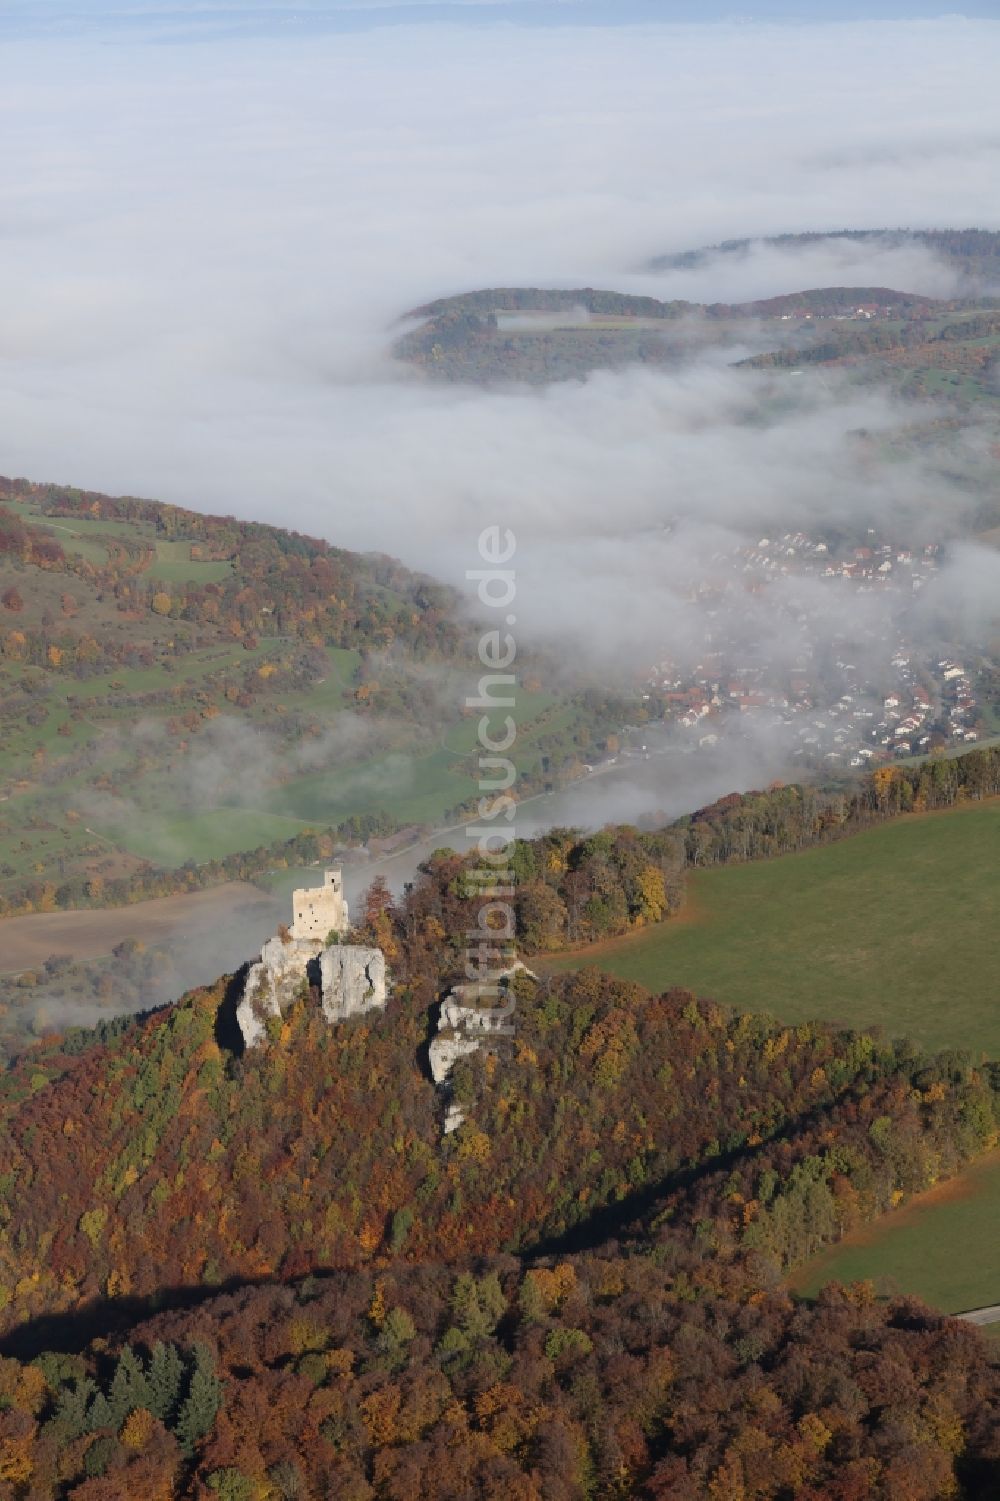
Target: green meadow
pixel 942 1247
pixel 411 785
pixel 894 927
pixel 174 565
pixel 207 835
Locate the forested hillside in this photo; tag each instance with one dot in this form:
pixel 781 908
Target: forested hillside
pixel 976 252
pixel 573 889
pixel 140 642
pixel 267 1274
pixel 921 346
pixel 245 577
pixel 574 1295
pixel 146 649
pixel 611 1106
pixel 657 1376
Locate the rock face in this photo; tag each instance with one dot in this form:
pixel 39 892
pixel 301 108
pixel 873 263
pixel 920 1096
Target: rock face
pixel 351 979
pixel 271 984
pixel 463 1027
pixel 444 1054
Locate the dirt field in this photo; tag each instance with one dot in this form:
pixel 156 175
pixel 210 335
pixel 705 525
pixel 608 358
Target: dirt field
pixel 26 942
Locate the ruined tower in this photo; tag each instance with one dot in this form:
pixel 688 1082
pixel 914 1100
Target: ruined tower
pixel 351 979
pixel 319 910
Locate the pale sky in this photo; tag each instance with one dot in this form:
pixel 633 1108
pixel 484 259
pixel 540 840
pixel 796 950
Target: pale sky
pixel 235 17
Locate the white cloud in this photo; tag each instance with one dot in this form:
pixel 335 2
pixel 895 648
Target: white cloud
pixel 204 246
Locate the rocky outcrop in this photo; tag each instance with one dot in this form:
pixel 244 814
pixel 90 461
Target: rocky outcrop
pixel 272 983
pixel 351 979
pixel 463 1027
pixel 445 1051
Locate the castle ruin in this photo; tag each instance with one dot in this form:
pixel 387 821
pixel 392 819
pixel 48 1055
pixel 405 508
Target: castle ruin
pixel 318 911
pixel 351 979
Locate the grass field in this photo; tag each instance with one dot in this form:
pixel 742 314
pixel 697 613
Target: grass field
pixel 896 926
pixel 942 1246
pixel 206 835
pixel 174 565
pixel 82 535
pixel 415 789
pixel 412 786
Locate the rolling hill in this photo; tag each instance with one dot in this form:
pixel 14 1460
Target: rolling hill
pixel 917 346
pixel 210 1286
pixel 975 253
pixel 141 647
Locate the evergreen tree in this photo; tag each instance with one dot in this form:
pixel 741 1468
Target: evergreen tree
pixel 71 1416
pixel 201 1405
pixel 477 1306
pixel 129 1387
pixel 99 1414
pixel 163 1380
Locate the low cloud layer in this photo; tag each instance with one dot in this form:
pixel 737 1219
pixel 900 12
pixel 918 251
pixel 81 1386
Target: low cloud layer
pixel 205 247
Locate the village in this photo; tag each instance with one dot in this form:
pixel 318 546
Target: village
pixel 866 693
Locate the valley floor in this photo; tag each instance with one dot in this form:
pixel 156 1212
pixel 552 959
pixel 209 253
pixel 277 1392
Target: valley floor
pixel 93 933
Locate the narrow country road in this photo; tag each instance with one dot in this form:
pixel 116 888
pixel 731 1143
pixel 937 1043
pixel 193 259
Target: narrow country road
pixel 981 1316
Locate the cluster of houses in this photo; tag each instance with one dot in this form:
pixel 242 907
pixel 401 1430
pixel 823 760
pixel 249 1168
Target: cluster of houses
pixel 865 312
pixel 870 695
pixel 959 699
pixel 868 565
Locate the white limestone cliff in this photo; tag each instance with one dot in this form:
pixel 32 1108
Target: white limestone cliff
pixel 351 979
pixel 463 1027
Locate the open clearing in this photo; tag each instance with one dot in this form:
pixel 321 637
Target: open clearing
pixel 941 1246
pixel 414 787
pixel 894 927
pixel 210 834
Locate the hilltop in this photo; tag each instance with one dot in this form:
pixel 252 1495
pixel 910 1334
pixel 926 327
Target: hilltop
pixel 975 253
pixel 920 346
pixel 146 650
